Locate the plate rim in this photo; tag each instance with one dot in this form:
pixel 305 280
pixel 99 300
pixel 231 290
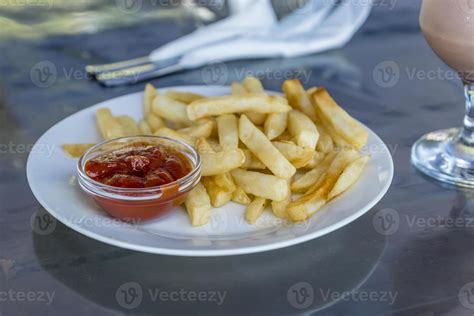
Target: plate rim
pixel 205 252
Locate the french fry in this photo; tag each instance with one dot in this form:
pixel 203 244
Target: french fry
pixel 184 97
pixel 238 89
pixel 168 132
pixel 218 196
pixel 349 176
pixel 307 205
pixel 297 156
pixel 317 195
pixel 228 131
pixel 170 109
pixel 239 196
pixel 129 126
pixel 144 128
pixel 337 139
pixel 202 129
pixel 344 124
pixel 251 162
pixel 303 130
pixel 259 103
pixel 253 85
pixel 279 208
pixel 254 210
pixel 203 146
pixel 108 125
pixel 76 150
pixel 225 181
pixel 262 185
pixel 256 118
pixel 298 98
pixel 149 95
pixel 275 125
pixel 340 162
pixel 325 143
pixel 155 122
pixel 303 183
pixel 314 162
pixel 198 205
pixel 285 137
pixel 216 163
pixel 264 150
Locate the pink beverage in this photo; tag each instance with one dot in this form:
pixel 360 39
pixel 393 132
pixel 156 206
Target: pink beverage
pixel 448 26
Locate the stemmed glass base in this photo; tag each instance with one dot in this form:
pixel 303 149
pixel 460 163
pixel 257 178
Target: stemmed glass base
pixel 444 156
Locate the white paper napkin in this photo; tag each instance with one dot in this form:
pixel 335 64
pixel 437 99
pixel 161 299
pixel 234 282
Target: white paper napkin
pixel 253 31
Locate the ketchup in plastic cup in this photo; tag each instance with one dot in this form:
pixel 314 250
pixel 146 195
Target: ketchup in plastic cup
pixel 139 177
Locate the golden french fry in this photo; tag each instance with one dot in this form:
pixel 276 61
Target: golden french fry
pixel 129 126
pixel 108 125
pixel 259 103
pixel 149 95
pixel 340 162
pixel 239 196
pixel 225 181
pixel 303 129
pixel 238 89
pixel 203 146
pixel 298 98
pixel 216 163
pixel 256 118
pixel 198 205
pixel 228 131
pixel 344 124
pixel 316 160
pixel 218 196
pixel 76 150
pixel 311 177
pixel 264 150
pixel 279 208
pixel 214 144
pixel 349 176
pixel 298 156
pixel 254 210
pixel 275 125
pixel 307 205
pixel 168 132
pixel 317 195
pixel 262 185
pixel 185 97
pixel 251 162
pixel 253 85
pixel 202 129
pixel 285 137
pixel 155 122
pixel 170 109
pixel 144 128
pixel 325 143
pixel 337 139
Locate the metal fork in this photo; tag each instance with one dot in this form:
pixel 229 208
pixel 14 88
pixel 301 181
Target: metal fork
pixel 132 71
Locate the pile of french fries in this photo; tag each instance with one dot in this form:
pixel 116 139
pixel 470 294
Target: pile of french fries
pixel 295 152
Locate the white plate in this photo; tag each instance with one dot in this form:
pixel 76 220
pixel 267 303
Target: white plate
pixel 51 175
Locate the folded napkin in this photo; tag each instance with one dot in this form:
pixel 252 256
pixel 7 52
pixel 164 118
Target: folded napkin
pixel 253 31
